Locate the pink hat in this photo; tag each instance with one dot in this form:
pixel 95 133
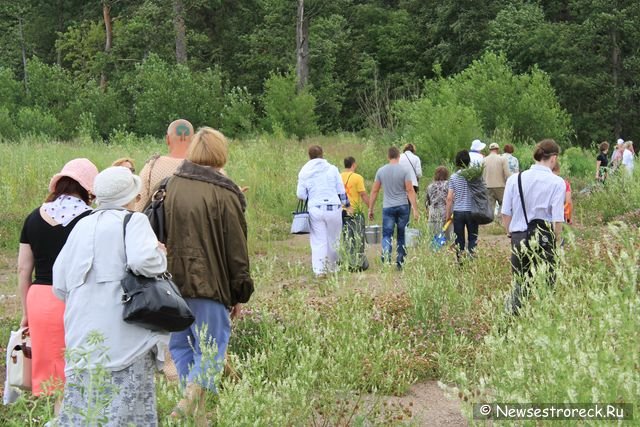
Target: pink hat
pixel 81 170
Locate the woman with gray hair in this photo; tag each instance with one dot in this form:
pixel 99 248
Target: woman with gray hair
pixel 87 276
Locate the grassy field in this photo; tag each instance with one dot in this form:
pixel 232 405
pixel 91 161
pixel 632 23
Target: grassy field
pixel 336 352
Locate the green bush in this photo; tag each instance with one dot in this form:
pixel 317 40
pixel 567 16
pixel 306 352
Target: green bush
pixel 106 108
pixel 578 162
pixel 8 128
pixel 51 91
pixel 438 128
pixel 10 89
pixel 39 122
pixel 293 113
pixel 484 98
pixel 162 93
pixel 238 115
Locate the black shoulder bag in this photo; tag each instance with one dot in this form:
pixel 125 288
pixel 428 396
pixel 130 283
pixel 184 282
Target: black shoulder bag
pixel 537 229
pixel 152 302
pixel 155 210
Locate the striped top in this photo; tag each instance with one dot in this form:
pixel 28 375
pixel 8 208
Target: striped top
pixel 462 197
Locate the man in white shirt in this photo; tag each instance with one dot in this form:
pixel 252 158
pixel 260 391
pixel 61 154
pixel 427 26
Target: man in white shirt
pixel 475 153
pixel 413 163
pixel 319 183
pixel 543 194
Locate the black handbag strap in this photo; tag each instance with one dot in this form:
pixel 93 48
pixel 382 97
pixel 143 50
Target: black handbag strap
pixel 302 206
pixel 412 167
pixel 524 210
pixel 127 218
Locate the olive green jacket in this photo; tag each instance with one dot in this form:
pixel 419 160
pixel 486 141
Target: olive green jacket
pixel 207 235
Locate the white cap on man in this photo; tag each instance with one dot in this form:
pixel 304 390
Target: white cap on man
pixel 620 141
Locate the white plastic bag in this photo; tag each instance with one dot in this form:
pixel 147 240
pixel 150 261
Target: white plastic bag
pixel 19 359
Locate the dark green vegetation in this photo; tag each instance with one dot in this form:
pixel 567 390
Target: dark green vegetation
pixel 569 68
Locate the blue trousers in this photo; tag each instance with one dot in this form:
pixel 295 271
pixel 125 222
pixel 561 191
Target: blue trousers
pixel 185 345
pixel 396 216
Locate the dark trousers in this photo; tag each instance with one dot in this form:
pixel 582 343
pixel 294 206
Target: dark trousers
pixel 462 221
pixel 523 262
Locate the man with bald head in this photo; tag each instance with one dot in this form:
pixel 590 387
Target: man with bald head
pixel 179 134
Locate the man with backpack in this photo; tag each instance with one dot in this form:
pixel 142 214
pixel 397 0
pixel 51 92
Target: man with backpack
pixel 533 213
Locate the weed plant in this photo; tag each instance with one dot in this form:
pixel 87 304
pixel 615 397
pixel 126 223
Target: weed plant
pixel 576 342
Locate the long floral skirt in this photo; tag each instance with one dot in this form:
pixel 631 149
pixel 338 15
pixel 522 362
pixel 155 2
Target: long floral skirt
pixel 120 398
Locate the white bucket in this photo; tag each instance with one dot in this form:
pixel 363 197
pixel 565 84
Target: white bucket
pixel 372 234
pixel 411 237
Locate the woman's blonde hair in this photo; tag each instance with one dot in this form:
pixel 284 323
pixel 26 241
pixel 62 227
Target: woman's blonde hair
pixel 208 148
pixel 628 144
pixel 124 160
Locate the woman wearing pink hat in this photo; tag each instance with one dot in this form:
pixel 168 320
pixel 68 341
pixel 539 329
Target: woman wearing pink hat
pixel 44 233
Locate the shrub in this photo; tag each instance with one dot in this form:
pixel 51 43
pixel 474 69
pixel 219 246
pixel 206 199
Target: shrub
pixel 238 115
pixel 39 122
pixel 284 108
pixel 481 99
pixel 577 162
pixel 438 130
pixel 10 89
pixel 8 128
pixel 106 108
pixel 51 90
pixel 162 93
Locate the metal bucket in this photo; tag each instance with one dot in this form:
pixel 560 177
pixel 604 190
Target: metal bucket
pixel 411 237
pixel 372 234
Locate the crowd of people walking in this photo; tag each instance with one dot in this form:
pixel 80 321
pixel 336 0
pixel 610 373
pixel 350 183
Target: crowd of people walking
pixel 531 205
pixel 73 257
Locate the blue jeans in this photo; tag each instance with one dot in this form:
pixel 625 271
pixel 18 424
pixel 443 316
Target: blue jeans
pixel 185 345
pixel 462 220
pixel 392 217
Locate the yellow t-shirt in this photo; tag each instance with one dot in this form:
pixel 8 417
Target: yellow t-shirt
pixel 354 184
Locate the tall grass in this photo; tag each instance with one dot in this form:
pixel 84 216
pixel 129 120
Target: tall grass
pixel 577 342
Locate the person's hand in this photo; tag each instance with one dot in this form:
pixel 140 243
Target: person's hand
pixel 24 322
pixel 236 311
pixel 370 215
pixel 162 247
pixel 350 210
pixel 244 189
pixel 416 215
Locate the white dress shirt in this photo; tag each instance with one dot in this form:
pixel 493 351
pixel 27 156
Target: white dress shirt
pixel 413 163
pixel 544 195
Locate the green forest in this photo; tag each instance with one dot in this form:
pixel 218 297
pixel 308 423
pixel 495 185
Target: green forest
pixel 435 71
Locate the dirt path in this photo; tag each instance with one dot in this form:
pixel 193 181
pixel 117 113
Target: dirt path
pixel 426 405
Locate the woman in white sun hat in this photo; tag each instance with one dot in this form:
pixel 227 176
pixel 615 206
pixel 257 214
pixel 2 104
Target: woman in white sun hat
pixel 475 153
pixel 87 276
